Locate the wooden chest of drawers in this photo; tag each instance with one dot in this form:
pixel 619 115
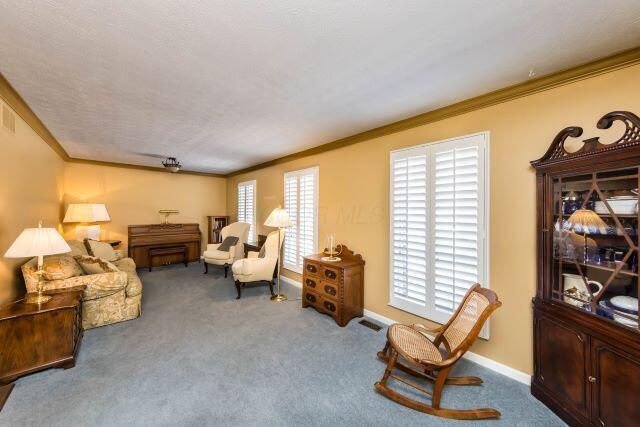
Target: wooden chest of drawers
pixel 35 337
pixel 334 288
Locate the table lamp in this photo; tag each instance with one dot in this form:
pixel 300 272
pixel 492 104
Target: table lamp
pixel 87 213
pixel 278 218
pixel 586 219
pixel 38 242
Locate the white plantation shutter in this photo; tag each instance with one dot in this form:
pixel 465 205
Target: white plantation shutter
pixel 458 221
pixel 409 229
pixel 247 206
pixel 301 204
pixel 438 228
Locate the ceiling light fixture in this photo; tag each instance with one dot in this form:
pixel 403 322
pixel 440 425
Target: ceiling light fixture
pixel 172 165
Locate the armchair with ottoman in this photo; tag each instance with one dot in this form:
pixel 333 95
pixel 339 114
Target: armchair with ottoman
pixel 260 266
pixel 108 297
pixel 238 232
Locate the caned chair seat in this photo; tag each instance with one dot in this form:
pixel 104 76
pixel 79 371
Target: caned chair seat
pixel 413 344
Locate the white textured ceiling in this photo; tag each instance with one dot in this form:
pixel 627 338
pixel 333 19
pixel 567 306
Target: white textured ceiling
pixel 223 85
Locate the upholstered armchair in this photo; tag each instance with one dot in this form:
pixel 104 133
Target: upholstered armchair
pixel 255 268
pixel 226 258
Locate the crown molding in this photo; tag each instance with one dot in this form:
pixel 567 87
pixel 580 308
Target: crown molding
pixel 15 101
pixel 140 167
pixel 590 69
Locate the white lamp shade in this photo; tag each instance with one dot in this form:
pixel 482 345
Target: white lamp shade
pixel 86 212
pixel 278 218
pixel 37 242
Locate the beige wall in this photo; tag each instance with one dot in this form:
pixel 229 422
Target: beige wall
pixel 31 189
pixel 134 196
pixel 354 195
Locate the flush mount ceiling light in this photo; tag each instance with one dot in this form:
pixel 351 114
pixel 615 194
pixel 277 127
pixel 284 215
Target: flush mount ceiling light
pixel 171 164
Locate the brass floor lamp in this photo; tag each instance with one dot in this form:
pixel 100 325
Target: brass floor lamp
pixel 280 219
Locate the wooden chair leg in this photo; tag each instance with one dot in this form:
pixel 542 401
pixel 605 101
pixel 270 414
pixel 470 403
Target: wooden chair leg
pixel 441 379
pixel 206 268
pixel 384 353
pixel 226 269
pixel 271 287
pixel 392 361
pixel 238 289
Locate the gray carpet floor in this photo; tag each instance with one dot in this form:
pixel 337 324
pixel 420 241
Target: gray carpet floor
pixel 197 356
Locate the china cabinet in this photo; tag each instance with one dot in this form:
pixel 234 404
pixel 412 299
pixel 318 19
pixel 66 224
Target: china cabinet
pixel 586 325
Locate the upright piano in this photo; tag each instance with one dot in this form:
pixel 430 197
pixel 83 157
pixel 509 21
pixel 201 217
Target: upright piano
pixel 142 238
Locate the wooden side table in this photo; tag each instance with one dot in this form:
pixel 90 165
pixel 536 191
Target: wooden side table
pixel 34 337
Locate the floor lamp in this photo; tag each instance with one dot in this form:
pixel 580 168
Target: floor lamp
pixel 280 219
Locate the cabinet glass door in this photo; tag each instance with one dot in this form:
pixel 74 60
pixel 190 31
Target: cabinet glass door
pixel 595 243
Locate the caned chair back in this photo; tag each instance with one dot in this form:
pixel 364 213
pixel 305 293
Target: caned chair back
pixel 467 322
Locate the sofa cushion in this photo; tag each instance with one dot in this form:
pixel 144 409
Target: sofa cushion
pixel 95 265
pixel 134 285
pixel 77 248
pixel 216 254
pixel 101 250
pixel 60 267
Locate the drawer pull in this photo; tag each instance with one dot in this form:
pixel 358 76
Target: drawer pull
pixel 311 268
pixel 592 379
pixel 330 290
pixel 310 283
pixel 310 297
pixel 330 274
pixel 330 306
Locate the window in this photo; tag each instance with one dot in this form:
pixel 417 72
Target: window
pixel 438 245
pixel 301 204
pixel 247 206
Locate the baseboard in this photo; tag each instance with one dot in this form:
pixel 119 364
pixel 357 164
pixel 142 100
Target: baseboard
pixel 498 367
pixel 291 282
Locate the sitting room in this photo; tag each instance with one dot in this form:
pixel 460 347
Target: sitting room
pixel 319 213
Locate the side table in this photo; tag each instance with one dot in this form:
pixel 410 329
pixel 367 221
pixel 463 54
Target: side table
pixel 34 337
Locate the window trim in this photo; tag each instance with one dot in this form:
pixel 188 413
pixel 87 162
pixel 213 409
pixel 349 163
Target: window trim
pixel 484 215
pixel 254 183
pixel 315 170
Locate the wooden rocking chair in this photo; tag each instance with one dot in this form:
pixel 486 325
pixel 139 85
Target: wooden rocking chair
pixel 428 362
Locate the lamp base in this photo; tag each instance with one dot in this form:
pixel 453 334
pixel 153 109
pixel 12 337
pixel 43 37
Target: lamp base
pixel 279 298
pixel 37 299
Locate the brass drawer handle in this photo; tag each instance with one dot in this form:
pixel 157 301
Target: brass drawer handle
pixel 330 306
pixel 310 283
pixel 310 297
pixel 330 290
pixel 311 268
pixel 330 274
pixel 592 379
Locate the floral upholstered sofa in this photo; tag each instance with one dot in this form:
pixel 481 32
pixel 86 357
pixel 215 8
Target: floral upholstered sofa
pixel 108 297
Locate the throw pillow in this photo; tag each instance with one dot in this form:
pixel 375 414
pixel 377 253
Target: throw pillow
pixel 101 250
pixel 60 267
pixel 94 265
pixel 227 243
pixel 77 247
